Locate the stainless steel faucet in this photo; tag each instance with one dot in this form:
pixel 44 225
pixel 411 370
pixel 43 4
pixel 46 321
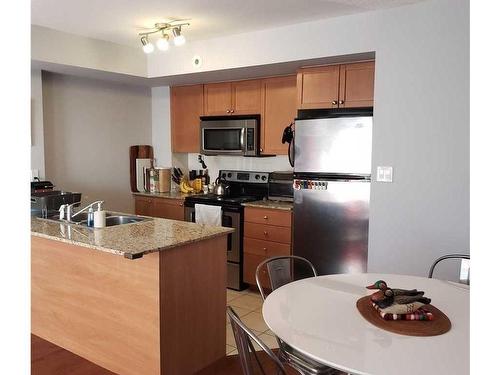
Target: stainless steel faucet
pixel 66 210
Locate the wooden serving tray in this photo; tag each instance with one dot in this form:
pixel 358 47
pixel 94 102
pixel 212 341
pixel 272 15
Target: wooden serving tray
pixel 439 325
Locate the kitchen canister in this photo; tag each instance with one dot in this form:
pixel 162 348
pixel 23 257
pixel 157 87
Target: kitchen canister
pixel 164 178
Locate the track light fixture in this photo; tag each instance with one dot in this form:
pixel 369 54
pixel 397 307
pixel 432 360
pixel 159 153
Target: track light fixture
pixel 162 43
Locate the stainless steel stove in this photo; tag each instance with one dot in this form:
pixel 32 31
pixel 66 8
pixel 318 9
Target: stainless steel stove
pixel 245 186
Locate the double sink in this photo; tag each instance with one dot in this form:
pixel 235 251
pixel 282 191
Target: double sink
pixel 112 219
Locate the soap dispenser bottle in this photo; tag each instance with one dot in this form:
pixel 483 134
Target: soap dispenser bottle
pixel 99 216
pixel 90 217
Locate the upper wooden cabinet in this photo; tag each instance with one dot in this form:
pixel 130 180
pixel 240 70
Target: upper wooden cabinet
pixel 233 98
pixel 247 97
pixel 357 85
pixel 318 87
pixel 186 109
pixel 280 109
pixel 336 86
pixel 217 99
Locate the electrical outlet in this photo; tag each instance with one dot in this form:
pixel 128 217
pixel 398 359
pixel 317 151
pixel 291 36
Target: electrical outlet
pixel 35 173
pixel 384 174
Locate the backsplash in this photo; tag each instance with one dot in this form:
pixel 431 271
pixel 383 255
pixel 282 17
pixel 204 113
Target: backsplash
pixel 215 163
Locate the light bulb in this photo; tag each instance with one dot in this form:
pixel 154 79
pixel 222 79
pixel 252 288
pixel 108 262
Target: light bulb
pixel 148 48
pixel 162 44
pixel 179 39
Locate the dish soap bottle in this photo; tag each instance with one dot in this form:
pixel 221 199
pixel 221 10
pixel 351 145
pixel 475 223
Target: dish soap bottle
pixel 90 217
pixel 99 216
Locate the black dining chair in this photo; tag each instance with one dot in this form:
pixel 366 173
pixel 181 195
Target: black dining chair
pixel 273 273
pixel 246 351
pixel 464 276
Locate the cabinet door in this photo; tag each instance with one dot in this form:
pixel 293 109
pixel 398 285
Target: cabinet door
pixel 217 99
pixel 357 84
pixel 318 87
pixel 247 97
pixel 143 206
pixel 250 263
pixel 186 104
pixel 280 108
pixel 168 209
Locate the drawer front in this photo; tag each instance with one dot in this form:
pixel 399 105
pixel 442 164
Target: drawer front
pixel 268 232
pixel 268 216
pixel 250 263
pixel 171 202
pixel 265 248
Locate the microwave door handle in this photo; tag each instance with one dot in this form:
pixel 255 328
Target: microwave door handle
pixel 243 140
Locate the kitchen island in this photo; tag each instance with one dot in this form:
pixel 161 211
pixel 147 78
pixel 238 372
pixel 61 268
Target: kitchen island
pixel 140 298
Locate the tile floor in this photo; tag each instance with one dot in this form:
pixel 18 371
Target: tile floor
pixel 248 305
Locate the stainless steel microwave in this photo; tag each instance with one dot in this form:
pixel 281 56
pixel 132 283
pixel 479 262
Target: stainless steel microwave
pixel 230 135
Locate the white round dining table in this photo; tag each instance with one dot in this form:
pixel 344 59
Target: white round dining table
pixel 318 317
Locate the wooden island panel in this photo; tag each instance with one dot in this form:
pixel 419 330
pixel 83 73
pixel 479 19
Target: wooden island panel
pixel 161 314
pixel 97 305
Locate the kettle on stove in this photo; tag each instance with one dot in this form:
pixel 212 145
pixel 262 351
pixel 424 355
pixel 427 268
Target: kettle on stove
pixel 222 188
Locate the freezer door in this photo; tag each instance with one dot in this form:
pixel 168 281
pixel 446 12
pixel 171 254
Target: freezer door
pixel 340 145
pixel 330 227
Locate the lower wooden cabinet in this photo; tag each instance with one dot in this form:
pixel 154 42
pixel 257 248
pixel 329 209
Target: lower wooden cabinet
pixel 143 205
pixel 267 233
pixel 160 207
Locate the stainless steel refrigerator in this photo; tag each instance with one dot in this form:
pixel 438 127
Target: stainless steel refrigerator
pixel 332 170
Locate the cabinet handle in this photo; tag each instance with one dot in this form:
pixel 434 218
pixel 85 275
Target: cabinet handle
pixel 228 111
pixel 261 150
pixel 334 102
pixel 181 204
pixel 265 249
pixel 265 233
pixel 265 217
pixel 341 102
pixel 232 110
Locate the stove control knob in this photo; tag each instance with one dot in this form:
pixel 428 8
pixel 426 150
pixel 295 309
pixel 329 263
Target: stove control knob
pixel 257 176
pixel 264 178
pixel 229 175
pixel 223 175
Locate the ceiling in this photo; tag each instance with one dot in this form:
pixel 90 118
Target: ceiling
pixel 120 21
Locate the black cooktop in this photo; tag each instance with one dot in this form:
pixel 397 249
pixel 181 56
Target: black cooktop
pixel 214 199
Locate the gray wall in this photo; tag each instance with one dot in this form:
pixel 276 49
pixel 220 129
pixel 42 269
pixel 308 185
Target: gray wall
pixel 37 151
pixel 88 128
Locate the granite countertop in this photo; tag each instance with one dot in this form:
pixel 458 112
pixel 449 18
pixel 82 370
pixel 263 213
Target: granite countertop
pixel 277 205
pixel 129 240
pixel 170 195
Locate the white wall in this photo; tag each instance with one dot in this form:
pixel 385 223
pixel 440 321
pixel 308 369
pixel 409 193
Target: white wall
pixel 89 126
pixel 421 118
pixel 51 46
pixel 37 142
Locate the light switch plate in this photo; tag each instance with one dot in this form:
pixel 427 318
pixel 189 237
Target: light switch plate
pixel 384 174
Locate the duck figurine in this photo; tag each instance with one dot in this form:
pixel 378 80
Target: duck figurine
pixel 397 301
pixel 381 285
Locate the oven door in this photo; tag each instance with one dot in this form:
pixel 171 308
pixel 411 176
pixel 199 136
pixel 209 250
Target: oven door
pixel 230 219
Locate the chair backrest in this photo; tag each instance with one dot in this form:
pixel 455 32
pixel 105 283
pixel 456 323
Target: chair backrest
pixel 464 277
pixel 243 337
pixel 278 271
